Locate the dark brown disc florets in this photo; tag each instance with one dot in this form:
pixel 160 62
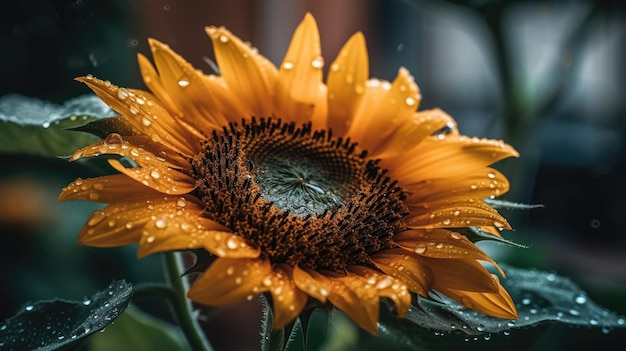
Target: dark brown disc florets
pixel 301 196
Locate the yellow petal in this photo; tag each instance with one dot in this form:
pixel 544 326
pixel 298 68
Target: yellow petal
pixel 406 267
pixel 346 83
pixel 107 189
pixel 242 72
pixel 498 304
pixel 456 213
pixel 461 274
pixel 287 299
pixel 299 89
pixel 163 179
pixel 230 280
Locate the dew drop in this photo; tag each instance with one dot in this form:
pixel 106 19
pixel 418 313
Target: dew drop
pixel 150 239
pixel 409 101
pixel 122 94
pixel 224 39
pixel 161 224
pixel 146 122
pixel 183 83
pixel 96 217
pixel 86 301
pixel 155 174
pixel 133 110
pixel 29 308
pixel 318 62
pixel 580 298
pixel 446 221
pixel 231 243
pixel 420 249
pixel 113 138
pixel 230 270
pixel 129 225
pixel 60 336
pixel 288 65
pixel 335 67
pixel 491 175
pixel 457 213
pixel 498 224
pixel 593 321
pixel 439 246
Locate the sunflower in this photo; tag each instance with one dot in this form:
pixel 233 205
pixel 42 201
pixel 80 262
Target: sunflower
pixel 337 193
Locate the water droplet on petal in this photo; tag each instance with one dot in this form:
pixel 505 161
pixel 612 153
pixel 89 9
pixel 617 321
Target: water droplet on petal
pixel 420 249
pixel 288 65
pixel 146 122
pixel 155 174
pixel 224 39
pixel 231 243
pixel 183 83
pixel 161 223
pixel 96 217
pixel 318 62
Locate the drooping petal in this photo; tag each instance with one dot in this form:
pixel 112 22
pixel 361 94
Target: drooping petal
pixel 163 179
pixel 455 213
pixel 346 83
pixel 242 73
pixel 386 286
pixel 498 304
pixel 351 294
pixel 312 283
pixel 299 90
pixel 407 268
pixel 230 280
pixel 107 189
pixel 288 300
pixel 145 114
pixel 461 274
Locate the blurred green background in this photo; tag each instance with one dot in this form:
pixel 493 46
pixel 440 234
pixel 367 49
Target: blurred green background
pixel 547 77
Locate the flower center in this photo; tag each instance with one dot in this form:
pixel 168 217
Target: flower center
pixel 302 196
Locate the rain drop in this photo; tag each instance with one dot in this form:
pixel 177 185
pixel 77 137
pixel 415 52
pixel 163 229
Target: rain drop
pixel 410 101
pixel 29 308
pixel 288 65
pixel 86 301
pixel 231 243
pixel 155 174
pixel 420 249
pixel 122 94
pixel 224 39
pixel 481 328
pixel 183 83
pixel 146 122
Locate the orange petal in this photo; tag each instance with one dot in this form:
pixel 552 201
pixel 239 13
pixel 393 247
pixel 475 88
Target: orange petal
pixel 357 299
pixel 439 158
pixel 242 72
pixel 458 213
pixel 381 116
pixel 441 243
pixel 145 114
pixel 461 274
pixel 123 223
pixel 107 189
pixel 406 267
pixel 288 300
pixel 163 179
pixel 139 148
pixel 312 283
pixel 480 184
pixel 497 304
pixel 188 89
pixel 299 89
pixel 346 83
pixel 230 280
pixel 387 286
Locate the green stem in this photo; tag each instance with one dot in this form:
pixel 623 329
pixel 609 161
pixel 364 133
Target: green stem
pixel 181 306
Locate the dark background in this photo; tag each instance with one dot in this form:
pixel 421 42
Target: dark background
pixel 547 77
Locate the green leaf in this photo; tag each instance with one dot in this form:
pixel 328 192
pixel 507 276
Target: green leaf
pixel 64 325
pixel 138 331
pixel 475 234
pixel 540 297
pixel 35 127
pixel 271 340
